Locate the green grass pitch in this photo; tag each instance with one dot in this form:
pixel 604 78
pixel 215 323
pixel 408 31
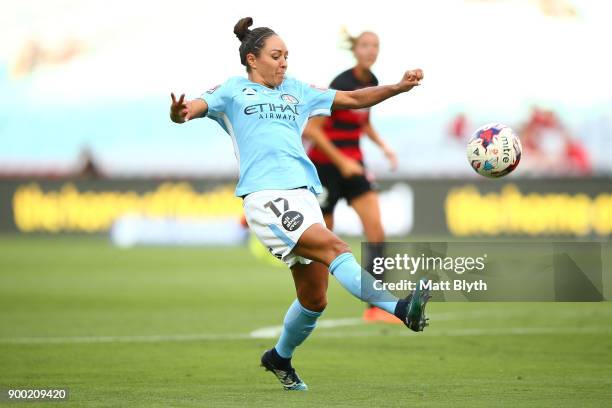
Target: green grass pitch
pixel 171 327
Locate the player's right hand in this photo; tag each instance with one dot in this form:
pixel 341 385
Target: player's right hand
pixel 350 167
pixel 178 109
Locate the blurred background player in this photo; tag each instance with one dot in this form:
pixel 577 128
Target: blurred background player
pixel 337 154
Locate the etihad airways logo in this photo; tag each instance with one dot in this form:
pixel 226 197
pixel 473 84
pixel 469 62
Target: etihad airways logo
pixel 273 111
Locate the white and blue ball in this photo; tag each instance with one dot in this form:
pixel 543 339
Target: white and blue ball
pixel 494 150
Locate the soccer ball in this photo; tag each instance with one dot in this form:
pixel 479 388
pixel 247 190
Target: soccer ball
pixel 494 150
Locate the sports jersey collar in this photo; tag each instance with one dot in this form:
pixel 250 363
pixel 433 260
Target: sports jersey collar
pixel 266 89
pixel 269 90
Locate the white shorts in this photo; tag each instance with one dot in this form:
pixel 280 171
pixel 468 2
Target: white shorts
pixel 280 217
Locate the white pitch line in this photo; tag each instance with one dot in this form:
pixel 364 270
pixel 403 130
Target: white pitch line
pixel 272 332
pixel 155 338
pixel 263 333
pixel 260 334
pixel 275 331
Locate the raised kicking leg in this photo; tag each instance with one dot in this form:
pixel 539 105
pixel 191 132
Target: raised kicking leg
pixel 320 244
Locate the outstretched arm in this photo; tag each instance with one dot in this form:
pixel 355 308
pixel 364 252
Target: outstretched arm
pixel 181 110
pixel 366 97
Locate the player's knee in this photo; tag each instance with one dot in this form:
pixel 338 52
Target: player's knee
pixel 316 303
pixel 338 247
pixel 334 247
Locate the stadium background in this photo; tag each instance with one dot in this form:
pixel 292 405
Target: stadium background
pixel 121 238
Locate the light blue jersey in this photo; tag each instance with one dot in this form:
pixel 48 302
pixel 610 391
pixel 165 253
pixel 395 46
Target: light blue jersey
pixel 266 128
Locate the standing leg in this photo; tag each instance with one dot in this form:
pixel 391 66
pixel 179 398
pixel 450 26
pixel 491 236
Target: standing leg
pixel 300 320
pixel 311 286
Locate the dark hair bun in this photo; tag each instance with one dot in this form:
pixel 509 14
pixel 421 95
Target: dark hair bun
pixel 241 29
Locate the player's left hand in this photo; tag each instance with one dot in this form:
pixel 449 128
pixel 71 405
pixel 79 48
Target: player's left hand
pixel 411 79
pixel 418 73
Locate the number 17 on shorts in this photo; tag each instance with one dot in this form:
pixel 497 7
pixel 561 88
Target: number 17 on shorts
pixel 280 217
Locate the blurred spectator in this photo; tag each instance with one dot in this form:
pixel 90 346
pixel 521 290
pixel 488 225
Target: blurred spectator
pixel 549 148
pixel 87 165
pixel 34 54
pixel 459 127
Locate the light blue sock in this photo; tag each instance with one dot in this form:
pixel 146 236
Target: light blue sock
pixel 359 282
pixel 299 323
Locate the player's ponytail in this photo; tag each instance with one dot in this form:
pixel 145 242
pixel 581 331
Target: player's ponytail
pixel 251 41
pixel 241 29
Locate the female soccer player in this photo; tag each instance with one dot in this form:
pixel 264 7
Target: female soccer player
pixel 265 114
pixel 338 158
